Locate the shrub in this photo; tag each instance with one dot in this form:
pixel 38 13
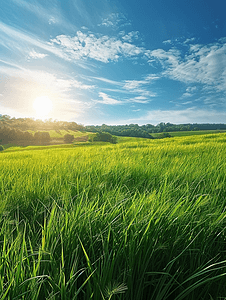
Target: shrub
pixel 68 138
pixel 42 137
pixel 104 137
pixel 164 135
pixel 1 148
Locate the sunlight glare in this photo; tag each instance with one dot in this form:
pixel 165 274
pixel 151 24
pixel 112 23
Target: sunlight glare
pixel 43 106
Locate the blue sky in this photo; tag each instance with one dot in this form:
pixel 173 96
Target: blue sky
pixel 114 62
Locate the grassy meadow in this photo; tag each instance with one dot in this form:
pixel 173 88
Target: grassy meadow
pixel 188 133
pixel 142 219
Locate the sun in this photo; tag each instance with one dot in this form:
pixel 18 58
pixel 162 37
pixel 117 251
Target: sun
pixel 43 106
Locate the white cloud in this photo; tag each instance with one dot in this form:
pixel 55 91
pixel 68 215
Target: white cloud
pixel 52 20
pixel 186 103
pixel 107 100
pixel 139 99
pixel 114 20
pixel 133 84
pixel 101 47
pixel 189 91
pixel 141 87
pixel 133 35
pixel 113 82
pixel 167 42
pixel 189 40
pixel 207 66
pixel 204 64
pixel 151 77
pixel 222 40
pixel 170 57
pixel 35 55
pixel 107 23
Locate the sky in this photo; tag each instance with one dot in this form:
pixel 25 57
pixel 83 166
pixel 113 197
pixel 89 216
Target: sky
pixel 114 62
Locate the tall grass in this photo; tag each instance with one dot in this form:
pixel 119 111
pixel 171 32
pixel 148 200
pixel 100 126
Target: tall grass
pixel 136 220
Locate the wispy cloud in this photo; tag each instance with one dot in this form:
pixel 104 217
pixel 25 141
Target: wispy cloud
pixel 203 64
pixel 107 99
pixel 135 84
pixel 141 88
pixel 186 103
pixel 114 20
pixel 16 40
pixel 35 55
pixel 52 16
pixel 131 36
pixel 137 91
pixel 52 20
pixel 166 58
pixel 189 91
pixel 44 78
pixel 106 80
pixel 189 40
pixel 167 42
pixel 139 99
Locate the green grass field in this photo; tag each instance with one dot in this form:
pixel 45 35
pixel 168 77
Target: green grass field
pixel 142 219
pixel 189 133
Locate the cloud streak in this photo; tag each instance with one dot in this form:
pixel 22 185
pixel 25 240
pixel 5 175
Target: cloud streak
pixel 98 47
pixel 35 55
pixel 107 100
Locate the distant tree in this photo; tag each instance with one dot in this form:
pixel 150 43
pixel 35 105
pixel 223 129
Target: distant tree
pixel 68 138
pixel 164 135
pixel 42 137
pixel 104 137
pixel 27 136
pixel 1 148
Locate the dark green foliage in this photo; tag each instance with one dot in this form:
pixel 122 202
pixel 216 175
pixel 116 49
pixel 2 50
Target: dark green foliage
pixel 8 134
pixel 104 137
pixel 68 138
pixel 135 130
pixel 164 135
pixel 42 137
pixel 1 148
pixel 31 124
pixel 132 130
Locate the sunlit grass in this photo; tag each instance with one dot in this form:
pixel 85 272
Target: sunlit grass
pixel 189 133
pixel 142 219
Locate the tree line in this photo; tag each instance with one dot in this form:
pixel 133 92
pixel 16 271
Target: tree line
pixel 12 129
pixel 135 130
pixel 9 135
pixel 32 124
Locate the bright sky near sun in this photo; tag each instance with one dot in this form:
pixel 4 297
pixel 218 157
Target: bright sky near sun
pixel 114 62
